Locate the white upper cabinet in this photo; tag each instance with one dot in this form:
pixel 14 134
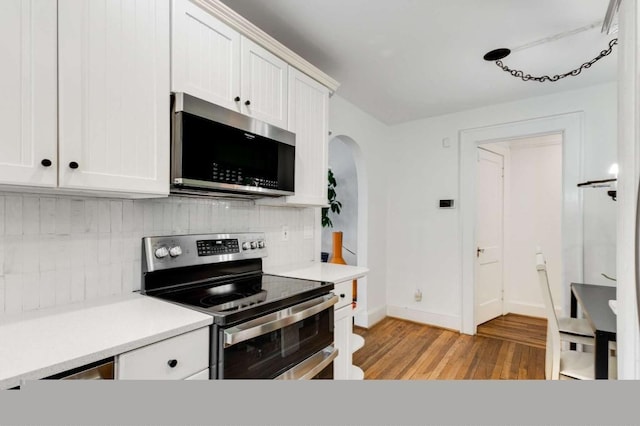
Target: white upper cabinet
pixel 113 63
pixel 214 62
pixel 309 120
pixel 205 56
pixel 28 83
pixel 264 84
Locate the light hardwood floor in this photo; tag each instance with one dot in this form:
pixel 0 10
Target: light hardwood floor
pixel 400 350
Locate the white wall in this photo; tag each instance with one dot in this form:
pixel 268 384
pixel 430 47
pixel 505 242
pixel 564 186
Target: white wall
pixel 347 121
pixel 533 207
pixel 56 250
pixel 342 163
pixel 424 242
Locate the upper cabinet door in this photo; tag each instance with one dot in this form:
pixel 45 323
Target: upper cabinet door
pixel 114 95
pixel 264 84
pixel 205 56
pixel 28 84
pixel 309 120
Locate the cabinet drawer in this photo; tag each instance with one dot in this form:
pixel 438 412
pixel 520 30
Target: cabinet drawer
pixel 345 292
pixel 172 359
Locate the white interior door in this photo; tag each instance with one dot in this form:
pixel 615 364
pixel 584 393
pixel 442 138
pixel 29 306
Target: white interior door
pixel 489 229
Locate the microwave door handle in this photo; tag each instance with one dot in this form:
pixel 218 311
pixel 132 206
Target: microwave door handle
pixel 311 366
pixel 277 320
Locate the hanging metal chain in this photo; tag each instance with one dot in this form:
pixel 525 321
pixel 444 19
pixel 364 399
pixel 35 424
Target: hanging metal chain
pixel 527 77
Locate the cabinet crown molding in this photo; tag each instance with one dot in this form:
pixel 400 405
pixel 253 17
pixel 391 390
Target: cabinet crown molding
pixel 248 29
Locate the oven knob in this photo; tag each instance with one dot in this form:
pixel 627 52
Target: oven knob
pixel 246 245
pixel 175 251
pixel 162 252
pixel 261 244
pixel 254 245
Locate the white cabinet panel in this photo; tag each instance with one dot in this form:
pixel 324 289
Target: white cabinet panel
pixel 28 83
pixel 114 95
pixel 205 56
pixel 203 375
pixel 176 358
pixel 308 119
pixel 264 84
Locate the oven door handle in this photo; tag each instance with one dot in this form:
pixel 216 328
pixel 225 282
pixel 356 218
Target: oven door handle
pixel 310 367
pixel 277 320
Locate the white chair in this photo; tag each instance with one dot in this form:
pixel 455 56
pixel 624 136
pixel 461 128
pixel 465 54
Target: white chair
pixel 558 362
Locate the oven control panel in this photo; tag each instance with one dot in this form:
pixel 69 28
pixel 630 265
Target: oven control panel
pixel 176 251
pixel 217 247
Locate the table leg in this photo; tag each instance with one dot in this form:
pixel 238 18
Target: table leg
pixel 574 314
pixel 602 356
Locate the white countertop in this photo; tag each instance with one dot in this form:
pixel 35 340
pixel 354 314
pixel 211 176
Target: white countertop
pixel 330 272
pixel 47 342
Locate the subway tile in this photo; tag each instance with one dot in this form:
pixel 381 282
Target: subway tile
pixel 30 254
pixel 47 253
pixel 47 289
pixel 63 286
pixel 104 280
pixel 13 215
pixel 91 216
pixel 77 217
pixel 62 252
pixel 137 275
pixel 148 219
pixel 127 277
pixel 116 214
pixel 117 248
pixel 2 244
pixel 91 281
pixel 138 215
pixel 104 217
pixel 13 293
pixel 158 218
pixel 13 249
pixel 128 218
pixel 2 215
pixel 76 251
pixel 31 216
pixel 63 216
pixel 2 296
pixel 77 285
pixel 30 291
pixel 104 249
pixel 167 214
pixel 47 215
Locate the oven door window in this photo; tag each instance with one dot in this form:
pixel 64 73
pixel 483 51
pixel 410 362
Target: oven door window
pixel 268 355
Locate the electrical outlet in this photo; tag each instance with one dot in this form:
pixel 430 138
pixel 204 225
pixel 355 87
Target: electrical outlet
pixel 417 295
pixel 285 233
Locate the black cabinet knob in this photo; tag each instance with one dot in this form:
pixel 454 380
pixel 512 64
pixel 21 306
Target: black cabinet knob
pixel 247 103
pixel 237 99
pixel 172 363
pixel 342 296
pixel 46 162
pixel 73 165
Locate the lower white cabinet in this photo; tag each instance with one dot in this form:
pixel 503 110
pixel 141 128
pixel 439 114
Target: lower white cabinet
pixel 343 337
pixel 176 358
pixel 203 375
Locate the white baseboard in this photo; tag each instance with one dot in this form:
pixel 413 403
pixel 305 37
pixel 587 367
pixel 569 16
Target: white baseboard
pixel 370 318
pixel 429 318
pixel 529 309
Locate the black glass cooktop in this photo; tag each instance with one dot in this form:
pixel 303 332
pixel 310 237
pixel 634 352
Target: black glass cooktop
pixel 242 298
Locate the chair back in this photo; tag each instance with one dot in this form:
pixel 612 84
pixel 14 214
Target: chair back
pixel 552 364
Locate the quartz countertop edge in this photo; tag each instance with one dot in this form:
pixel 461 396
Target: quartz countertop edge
pixel 330 272
pixel 48 342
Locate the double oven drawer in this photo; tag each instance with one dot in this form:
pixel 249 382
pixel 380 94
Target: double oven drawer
pixel 176 358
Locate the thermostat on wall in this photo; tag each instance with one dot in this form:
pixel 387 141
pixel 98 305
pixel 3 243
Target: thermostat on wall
pixel 447 204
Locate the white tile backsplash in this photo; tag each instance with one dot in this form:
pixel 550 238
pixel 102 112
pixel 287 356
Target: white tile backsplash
pixel 56 250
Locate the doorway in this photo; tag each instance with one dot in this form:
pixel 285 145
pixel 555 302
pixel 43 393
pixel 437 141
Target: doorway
pixel 515 215
pixel 570 126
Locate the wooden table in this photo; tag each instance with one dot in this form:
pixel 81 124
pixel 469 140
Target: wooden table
pixel 594 301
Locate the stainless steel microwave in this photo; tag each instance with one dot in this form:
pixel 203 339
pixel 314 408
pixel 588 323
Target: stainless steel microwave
pixel 219 152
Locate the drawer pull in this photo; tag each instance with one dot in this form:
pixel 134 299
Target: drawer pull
pixel 172 363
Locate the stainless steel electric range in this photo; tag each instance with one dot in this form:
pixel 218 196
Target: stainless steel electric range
pixel 264 326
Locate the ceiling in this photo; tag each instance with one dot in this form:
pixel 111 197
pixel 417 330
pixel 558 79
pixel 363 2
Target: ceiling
pixel 403 60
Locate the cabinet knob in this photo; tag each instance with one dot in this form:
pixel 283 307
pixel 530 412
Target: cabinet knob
pixel 247 102
pixel 342 296
pixel 73 165
pixel 237 99
pixel 172 363
pixel 46 162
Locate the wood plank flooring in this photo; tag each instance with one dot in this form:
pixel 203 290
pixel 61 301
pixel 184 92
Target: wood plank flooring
pixel 400 350
pixel 516 328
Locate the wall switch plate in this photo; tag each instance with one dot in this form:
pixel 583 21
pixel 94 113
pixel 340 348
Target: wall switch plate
pixel 308 232
pixel 417 295
pixel 285 233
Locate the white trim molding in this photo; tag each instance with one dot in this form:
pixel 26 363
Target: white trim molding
pixel 571 125
pixel 249 30
pixel 430 318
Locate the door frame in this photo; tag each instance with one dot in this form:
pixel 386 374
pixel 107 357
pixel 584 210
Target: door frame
pixel 571 125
